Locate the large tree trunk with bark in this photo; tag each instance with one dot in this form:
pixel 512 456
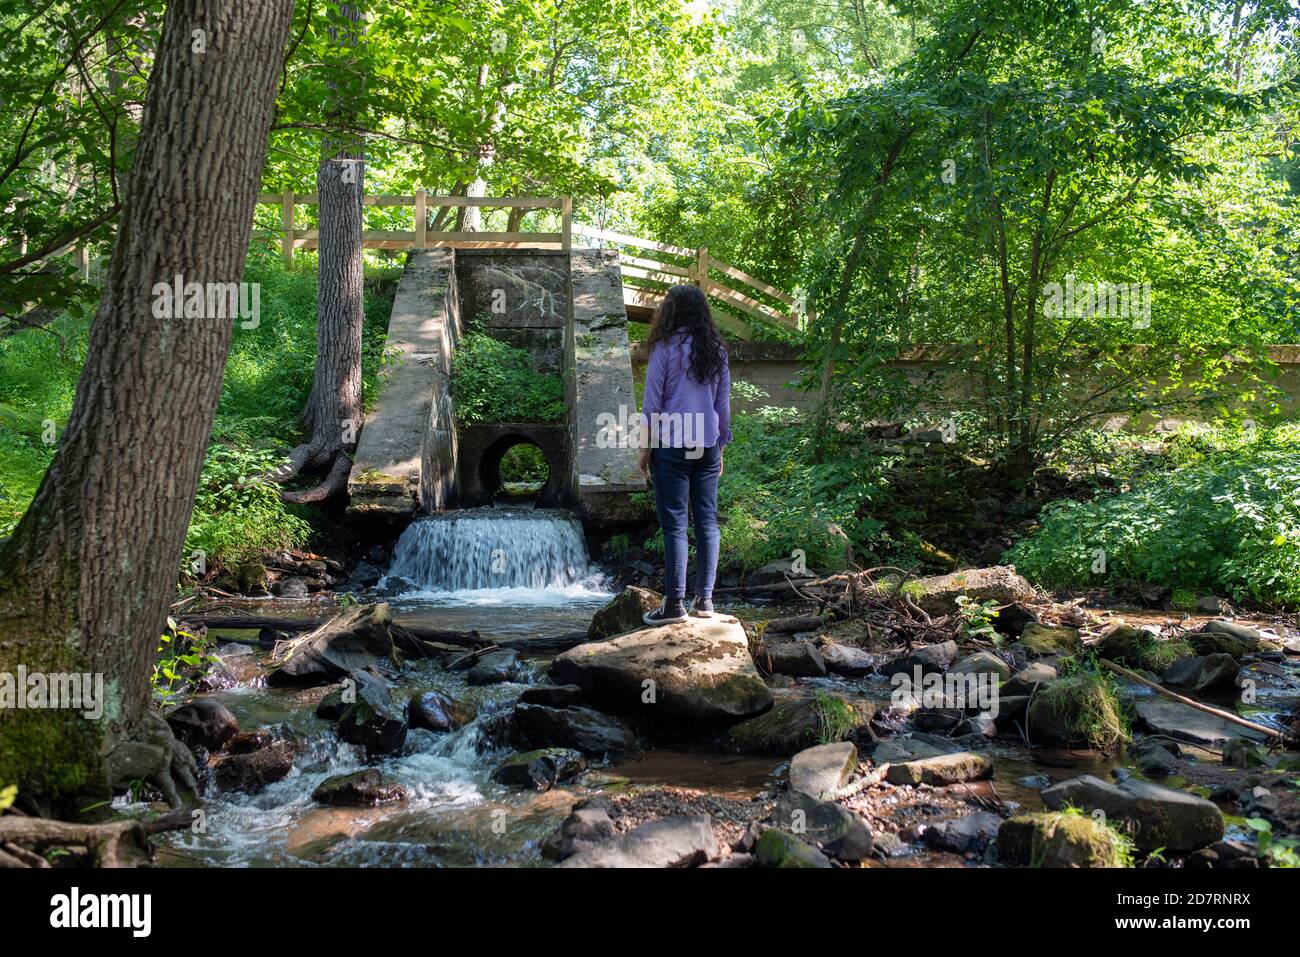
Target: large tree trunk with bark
pixel 87 576
pixel 334 410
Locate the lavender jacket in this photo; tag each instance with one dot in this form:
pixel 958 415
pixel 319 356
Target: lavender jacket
pixel 681 412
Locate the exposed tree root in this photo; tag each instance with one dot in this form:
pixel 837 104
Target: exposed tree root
pixel 116 844
pixel 153 755
pixel 336 482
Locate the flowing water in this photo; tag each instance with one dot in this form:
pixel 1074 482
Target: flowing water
pixel 508 575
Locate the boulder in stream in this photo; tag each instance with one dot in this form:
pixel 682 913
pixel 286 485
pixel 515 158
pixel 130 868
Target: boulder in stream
pixel 942 770
pixel 365 788
pixel 435 711
pixel 937 595
pixel 694 671
pixel 838 831
pixel 590 823
pixel 776 848
pixel 623 613
pixel 1040 639
pixel 203 723
pixel 1203 673
pixel 825 768
pixel 797 658
pixel 930 659
pixel 1058 840
pixel 585 729
pixel 251 771
pixel 1152 815
pixel 1185 723
pixel 680 841
pixel 799 720
pixel 358 638
pixel 374 721
pixel 540 770
pixel 494 667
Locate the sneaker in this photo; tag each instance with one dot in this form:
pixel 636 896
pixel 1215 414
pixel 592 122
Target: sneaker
pixel 702 608
pixel 669 612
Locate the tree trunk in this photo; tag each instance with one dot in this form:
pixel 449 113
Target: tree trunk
pixel 86 579
pixel 333 414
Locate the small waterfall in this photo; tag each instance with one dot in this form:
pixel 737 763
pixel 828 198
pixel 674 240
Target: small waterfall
pixel 493 549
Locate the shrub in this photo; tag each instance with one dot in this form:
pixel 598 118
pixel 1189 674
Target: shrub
pixel 237 516
pixel 1228 523
pixel 492 381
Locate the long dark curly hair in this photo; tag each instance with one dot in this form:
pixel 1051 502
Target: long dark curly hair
pixel 686 309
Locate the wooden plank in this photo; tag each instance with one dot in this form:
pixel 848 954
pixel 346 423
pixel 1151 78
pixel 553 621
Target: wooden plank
pixel 654 264
pixel 500 237
pixel 286 226
pixel 745 304
pixel 758 284
pixel 421 219
pixel 312 199
pixel 625 240
pixel 500 202
pixel 702 266
pixel 653 275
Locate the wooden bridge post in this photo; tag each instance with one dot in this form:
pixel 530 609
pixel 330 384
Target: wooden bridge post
pixel 702 268
pixel 566 223
pixel 421 219
pixel 286 224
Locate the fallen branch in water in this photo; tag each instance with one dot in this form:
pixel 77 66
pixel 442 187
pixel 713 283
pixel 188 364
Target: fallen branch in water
pixel 1217 712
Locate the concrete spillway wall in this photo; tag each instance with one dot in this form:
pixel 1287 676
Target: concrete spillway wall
pixel 567 310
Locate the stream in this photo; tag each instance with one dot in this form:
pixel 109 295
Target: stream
pixel 452 576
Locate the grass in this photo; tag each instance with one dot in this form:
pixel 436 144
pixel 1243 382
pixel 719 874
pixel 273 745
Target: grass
pixel 267 379
pixel 1089 705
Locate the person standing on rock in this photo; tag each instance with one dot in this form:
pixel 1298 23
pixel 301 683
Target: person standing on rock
pixel 686 421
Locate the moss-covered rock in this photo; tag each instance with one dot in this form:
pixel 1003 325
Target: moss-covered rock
pixel 1060 840
pixel 1040 639
pixel 1081 711
pixel 797 721
pixel 776 848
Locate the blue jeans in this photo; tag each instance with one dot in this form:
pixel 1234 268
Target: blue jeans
pixel 680 481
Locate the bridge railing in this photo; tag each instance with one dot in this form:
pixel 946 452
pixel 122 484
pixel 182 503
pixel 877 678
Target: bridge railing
pixel 422 236
pixel 648 267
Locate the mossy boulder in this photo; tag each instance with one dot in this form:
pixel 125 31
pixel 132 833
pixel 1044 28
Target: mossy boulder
pixel 623 613
pixel 1060 840
pixel 775 848
pixel 942 770
pixel 938 594
pixel 366 788
pixel 1081 711
pixel 1040 639
pixel 797 721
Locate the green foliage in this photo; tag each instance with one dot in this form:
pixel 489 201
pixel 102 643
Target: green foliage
pixel 835 717
pixel 1277 851
pixel 775 497
pixel 524 464
pixel 183 660
pixel 238 515
pixel 492 381
pixel 1228 524
pixel 977 618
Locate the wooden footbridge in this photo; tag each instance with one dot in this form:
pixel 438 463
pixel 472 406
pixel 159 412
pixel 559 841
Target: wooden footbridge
pixel 648 267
